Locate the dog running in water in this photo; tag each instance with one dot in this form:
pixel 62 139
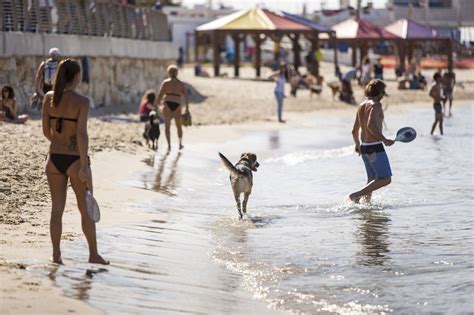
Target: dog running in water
pixel 241 178
pixel 152 130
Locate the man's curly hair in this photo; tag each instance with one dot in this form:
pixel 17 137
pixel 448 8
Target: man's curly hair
pixel 375 88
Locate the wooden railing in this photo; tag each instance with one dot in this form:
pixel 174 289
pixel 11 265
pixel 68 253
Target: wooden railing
pixel 83 17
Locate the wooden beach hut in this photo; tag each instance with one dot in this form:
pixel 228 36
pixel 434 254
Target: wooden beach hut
pixel 412 33
pixel 360 34
pixel 261 24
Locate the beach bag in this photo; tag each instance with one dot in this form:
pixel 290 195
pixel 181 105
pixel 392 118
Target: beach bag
pixel 92 208
pixel 186 119
pixel 36 101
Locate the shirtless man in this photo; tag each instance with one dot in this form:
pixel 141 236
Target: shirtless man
pixel 449 80
pixel 435 93
pixel 46 72
pixel 369 119
pixel 171 91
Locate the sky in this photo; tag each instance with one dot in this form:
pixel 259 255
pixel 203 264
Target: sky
pixel 295 6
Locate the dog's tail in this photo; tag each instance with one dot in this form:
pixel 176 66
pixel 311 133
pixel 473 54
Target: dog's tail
pixel 228 164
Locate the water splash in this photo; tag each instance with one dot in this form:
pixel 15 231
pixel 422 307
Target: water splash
pixel 297 158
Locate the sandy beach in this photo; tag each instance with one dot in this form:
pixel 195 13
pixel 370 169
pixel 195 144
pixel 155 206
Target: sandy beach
pixel 117 152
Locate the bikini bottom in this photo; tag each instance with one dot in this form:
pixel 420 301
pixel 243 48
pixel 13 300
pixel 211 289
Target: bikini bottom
pixel 63 161
pixel 172 105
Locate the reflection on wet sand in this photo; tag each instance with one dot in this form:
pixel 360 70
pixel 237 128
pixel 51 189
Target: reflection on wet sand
pixel 82 283
pixel 373 236
pixel 150 161
pixel 160 183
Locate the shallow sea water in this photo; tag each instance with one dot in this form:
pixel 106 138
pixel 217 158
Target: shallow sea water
pixel 302 249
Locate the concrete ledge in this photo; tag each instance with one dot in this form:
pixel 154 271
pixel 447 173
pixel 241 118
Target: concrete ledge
pixel 32 44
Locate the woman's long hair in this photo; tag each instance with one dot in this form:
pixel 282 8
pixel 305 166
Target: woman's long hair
pixel 9 90
pixel 284 71
pixel 149 97
pixel 67 71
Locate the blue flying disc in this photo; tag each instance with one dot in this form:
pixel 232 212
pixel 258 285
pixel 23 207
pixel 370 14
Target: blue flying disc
pixel 406 134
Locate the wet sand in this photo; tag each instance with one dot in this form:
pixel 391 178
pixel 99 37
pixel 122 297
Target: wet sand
pixel 117 151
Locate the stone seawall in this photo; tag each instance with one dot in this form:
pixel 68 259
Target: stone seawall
pixel 120 70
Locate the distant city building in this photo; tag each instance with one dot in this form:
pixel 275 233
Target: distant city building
pixel 439 14
pixel 423 3
pixel 183 20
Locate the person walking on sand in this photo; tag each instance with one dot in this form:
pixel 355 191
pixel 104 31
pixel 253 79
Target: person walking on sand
pixel 449 80
pixel 280 80
pixel 435 93
pixel 171 92
pixel 369 120
pixel 365 72
pixel 378 69
pixel 46 72
pixel 64 121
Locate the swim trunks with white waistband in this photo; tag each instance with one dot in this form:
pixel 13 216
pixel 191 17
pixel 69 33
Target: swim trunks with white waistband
pixel 376 161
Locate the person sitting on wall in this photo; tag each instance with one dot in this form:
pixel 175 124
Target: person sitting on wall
pixel 9 107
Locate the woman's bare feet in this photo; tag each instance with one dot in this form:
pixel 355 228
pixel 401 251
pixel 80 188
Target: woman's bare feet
pixel 97 259
pixel 181 146
pixel 57 258
pixel 58 261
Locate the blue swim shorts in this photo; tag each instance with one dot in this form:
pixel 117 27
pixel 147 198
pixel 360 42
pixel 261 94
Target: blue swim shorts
pixel 376 161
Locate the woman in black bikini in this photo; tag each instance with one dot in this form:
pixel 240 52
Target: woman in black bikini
pixel 65 126
pixel 171 91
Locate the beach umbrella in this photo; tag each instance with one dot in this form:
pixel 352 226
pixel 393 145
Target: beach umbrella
pixel 261 23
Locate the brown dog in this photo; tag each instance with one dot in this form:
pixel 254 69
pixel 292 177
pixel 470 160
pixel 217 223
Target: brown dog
pixel 241 178
pixel 335 88
pixel 315 84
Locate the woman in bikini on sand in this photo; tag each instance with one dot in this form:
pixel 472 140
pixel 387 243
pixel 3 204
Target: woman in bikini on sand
pixel 65 125
pixel 171 91
pixel 9 107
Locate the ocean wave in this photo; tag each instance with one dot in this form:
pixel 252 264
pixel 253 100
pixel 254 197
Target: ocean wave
pixel 297 158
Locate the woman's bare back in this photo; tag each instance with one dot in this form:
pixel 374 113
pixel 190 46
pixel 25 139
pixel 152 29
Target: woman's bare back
pixel 63 122
pixel 173 90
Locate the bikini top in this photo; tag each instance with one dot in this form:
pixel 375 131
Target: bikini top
pixel 59 122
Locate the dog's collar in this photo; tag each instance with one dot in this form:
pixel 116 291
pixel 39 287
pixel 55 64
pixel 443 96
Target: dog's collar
pixel 247 160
